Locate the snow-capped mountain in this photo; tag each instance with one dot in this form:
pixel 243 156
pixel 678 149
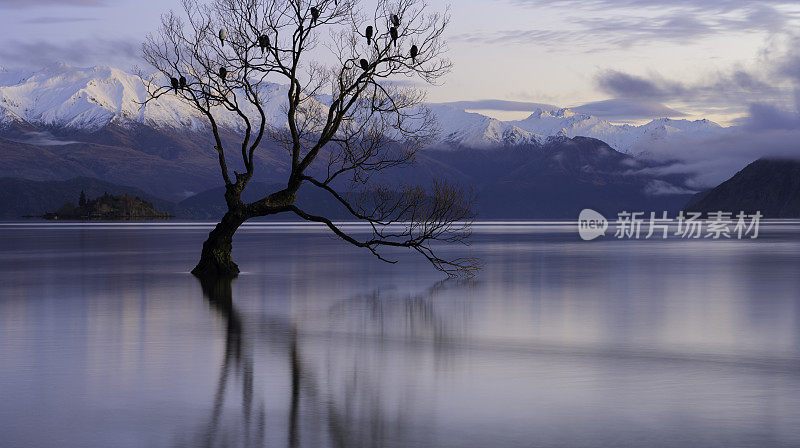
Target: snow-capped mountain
pixel 459 127
pixel 65 122
pixel 90 98
pixel 473 130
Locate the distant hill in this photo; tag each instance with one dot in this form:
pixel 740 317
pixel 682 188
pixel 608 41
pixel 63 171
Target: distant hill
pixel 108 207
pixel 767 185
pixel 559 178
pixel 20 197
pixel 554 180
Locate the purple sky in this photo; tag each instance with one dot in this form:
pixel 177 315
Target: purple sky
pixel 626 60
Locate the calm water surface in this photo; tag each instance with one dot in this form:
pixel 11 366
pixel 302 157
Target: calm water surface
pixel 106 341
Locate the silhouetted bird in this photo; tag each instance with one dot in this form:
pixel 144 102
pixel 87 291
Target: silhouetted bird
pixel 175 84
pixel 364 64
pixel 183 82
pixel 222 35
pixel 395 20
pixel 414 53
pixel 263 42
pixel 314 15
pixel 369 34
pixel 223 73
pixel 393 32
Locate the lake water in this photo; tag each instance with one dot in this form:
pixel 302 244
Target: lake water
pixel 106 341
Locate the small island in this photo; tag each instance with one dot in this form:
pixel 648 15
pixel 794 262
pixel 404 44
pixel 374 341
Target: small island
pixel 108 208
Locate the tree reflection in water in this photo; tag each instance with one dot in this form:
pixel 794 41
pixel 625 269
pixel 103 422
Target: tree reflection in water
pixel 237 360
pixel 340 395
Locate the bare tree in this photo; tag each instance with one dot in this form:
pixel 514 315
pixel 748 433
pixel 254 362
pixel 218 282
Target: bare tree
pixel 345 120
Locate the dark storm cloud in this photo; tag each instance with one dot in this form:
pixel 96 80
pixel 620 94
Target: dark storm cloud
pixel 33 3
pixel 120 53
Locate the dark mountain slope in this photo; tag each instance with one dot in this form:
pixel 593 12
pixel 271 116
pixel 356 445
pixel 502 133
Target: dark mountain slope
pixel 769 186
pixel 555 179
pixel 167 164
pixel 558 180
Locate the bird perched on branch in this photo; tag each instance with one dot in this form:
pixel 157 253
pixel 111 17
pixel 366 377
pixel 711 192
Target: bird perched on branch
pixel 183 82
pixel 364 64
pixel 263 42
pixel 223 73
pixel 369 32
pixel 314 15
pixel 414 53
pixel 222 36
pixel 174 84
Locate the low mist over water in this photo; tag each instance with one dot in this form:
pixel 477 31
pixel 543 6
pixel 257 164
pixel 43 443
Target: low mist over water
pixel 106 340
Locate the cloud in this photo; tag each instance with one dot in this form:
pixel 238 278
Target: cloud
pixel 789 63
pixel 519 37
pixel 692 5
pixel 659 187
pixel 501 105
pixel 628 110
pixel 52 20
pixel 45 139
pixel 626 85
pixel 640 22
pixel 613 109
pixel 34 3
pixel 768 96
pixel 628 31
pixel 723 92
pixel 768 117
pixel 768 132
pixel 81 52
pixel 712 160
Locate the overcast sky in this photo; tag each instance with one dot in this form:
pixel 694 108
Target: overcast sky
pixel 733 61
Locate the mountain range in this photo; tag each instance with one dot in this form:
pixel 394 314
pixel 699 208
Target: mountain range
pixel 89 99
pixel 64 122
pixel 461 128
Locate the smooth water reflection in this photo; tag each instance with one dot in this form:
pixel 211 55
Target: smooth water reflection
pixel 106 341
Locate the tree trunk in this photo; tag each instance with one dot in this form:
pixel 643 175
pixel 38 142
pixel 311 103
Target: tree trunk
pixel 215 259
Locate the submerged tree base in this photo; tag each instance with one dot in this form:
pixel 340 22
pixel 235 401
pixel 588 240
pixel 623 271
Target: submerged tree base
pixel 215 259
pixel 215 269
